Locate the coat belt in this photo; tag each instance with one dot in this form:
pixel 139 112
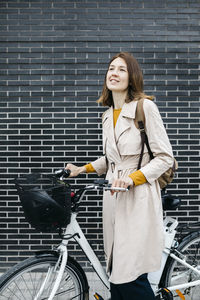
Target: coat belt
pixel 128 163
pixel 123 165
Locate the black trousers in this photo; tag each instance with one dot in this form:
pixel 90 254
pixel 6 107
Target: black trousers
pixel 139 289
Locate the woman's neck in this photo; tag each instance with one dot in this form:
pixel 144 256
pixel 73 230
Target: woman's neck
pixel 119 99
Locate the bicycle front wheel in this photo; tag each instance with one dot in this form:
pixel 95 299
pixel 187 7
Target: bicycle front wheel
pixel 26 280
pixel 177 273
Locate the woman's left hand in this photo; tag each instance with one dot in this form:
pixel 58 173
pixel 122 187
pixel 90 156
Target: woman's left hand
pixel 122 183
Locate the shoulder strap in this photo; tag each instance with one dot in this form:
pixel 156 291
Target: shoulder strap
pixel 140 124
pixel 139 115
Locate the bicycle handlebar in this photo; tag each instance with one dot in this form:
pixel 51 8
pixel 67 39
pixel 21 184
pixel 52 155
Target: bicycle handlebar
pixel 99 184
pixel 107 187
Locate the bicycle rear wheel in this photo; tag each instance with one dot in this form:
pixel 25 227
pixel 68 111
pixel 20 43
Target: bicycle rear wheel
pixel 24 280
pixel 176 273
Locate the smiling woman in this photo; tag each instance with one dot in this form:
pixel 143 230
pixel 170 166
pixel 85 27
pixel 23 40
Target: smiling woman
pixel 123 62
pixel 117 80
pixel 117 75
pixel 132 221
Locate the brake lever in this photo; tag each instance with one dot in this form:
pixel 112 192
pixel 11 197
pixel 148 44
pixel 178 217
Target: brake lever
pixel 101 182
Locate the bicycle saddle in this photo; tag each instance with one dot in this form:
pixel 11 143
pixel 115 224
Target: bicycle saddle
pixel 169 201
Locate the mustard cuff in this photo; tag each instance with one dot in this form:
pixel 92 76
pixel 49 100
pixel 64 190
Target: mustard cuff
pixel 138 177
pixel 89 168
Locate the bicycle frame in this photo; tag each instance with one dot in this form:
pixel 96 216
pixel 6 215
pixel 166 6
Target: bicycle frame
pixel 185 285
pixel 170 225
pixel 74 232
pixel 82 241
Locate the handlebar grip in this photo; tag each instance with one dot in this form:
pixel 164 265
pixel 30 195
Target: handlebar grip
pixel 67 173
pixel 62 172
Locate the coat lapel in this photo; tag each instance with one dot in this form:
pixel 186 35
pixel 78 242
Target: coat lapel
pixel 108 129
pixel 125 119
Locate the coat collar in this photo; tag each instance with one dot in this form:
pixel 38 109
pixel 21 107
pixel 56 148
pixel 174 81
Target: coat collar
pixel 126 118
pixel 128 111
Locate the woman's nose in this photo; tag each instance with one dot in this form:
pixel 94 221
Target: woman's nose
pixel 115 73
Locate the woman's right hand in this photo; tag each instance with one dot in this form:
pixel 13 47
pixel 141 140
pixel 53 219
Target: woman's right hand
pixel 75 171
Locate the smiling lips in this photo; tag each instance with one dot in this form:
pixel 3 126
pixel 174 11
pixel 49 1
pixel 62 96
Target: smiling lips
pixel 114 80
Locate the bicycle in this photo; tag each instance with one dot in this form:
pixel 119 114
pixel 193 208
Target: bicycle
pixel 53 275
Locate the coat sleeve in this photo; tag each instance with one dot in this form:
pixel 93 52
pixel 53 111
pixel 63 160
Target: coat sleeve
pixel 159 143
pixel 100 165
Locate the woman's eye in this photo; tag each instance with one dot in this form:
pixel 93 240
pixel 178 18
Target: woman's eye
pixel 112 69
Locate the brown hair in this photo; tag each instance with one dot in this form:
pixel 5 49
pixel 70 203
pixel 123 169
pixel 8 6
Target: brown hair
pixel 135 88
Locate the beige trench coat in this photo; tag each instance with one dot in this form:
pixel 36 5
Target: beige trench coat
pixel 133 220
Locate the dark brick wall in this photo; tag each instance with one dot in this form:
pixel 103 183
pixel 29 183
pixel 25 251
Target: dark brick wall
pixel 53 56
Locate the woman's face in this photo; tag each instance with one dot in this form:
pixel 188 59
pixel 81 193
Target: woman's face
pixel 117 78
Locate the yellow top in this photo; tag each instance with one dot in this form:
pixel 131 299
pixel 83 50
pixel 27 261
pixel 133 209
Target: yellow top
pixel 137 176
pixel 89 168
pixel 116 113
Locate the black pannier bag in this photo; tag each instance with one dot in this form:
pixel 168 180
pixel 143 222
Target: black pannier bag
pixel 46 202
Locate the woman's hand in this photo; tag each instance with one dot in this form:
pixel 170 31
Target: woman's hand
pixel 122 183
pixel 75 171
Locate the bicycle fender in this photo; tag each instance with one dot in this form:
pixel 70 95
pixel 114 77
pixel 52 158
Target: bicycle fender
pixel 55 253
pixel 47 253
